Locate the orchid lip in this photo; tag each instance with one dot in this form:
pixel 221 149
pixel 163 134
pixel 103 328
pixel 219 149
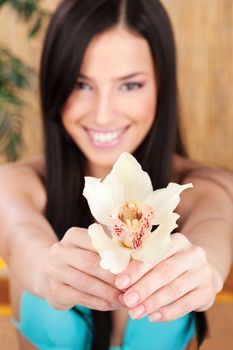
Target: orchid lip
pixel 131 223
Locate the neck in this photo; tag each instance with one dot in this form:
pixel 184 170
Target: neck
pixel 97 171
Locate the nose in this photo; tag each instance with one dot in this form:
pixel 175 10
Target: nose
pixel 102 109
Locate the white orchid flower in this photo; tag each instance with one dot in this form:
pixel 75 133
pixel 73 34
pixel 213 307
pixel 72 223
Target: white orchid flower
pixel 126 208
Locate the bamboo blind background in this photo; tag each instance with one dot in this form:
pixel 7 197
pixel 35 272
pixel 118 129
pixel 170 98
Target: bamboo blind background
pixel 204 36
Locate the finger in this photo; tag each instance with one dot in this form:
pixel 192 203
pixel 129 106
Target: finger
pixel 77 236
pixel 170 293
pixel 89 262
pixel 179 308
pixel 136 269
pixel 179 243
pixel 160 276
pixel 83 282
pixel 65 297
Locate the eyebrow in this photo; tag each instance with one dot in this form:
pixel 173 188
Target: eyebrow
pixel 129 76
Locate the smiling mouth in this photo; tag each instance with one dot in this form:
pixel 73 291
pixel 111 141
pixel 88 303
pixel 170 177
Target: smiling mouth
pixel 106 138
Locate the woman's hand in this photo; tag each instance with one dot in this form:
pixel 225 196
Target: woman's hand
pixel 183 282
pixel 73 275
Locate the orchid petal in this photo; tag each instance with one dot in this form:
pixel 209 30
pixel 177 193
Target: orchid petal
pixel 99 199
pixel 127 181
pixel 157 243
pixel 165 200
pixel 114 257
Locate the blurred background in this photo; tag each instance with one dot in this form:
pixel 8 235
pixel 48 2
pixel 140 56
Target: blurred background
pixel 204 37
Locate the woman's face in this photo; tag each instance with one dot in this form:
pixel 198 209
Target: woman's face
pixel 112 106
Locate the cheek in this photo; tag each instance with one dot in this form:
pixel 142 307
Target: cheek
pixel 144 109
pixel 74 109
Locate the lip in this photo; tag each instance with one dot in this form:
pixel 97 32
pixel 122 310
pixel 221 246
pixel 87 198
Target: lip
pixel 94 136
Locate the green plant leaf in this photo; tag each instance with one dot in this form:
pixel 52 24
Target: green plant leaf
pixel 15 76
pixel 10 135
pixel 2 2
pixel 25 8
pixel 35 28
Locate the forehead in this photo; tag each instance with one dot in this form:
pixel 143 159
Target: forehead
pixel 117 52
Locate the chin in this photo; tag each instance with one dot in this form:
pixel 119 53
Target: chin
pixel 102 162
pixel 105 160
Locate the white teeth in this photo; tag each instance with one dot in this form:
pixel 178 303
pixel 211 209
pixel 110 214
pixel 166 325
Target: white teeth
pixel 105 137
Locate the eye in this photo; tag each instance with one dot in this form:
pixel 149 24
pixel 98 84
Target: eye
pixel 131 86
pixel 80 85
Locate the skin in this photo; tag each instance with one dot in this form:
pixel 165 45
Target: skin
pixel 106 101
pixel 67 272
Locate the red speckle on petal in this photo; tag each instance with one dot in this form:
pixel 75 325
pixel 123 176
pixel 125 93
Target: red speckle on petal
pixel 118 230
pixel 137 241
pixel 146 226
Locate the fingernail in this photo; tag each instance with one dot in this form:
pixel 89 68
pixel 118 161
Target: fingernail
pixel 123 281
pixel 155 317
pixel 120 297
pixel 137 312
pixel 131 299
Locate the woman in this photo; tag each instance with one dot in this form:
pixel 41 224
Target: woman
pixel 108 85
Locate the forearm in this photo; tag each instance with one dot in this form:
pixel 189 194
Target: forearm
pixel 209 223
pixel 28 246
pixel 215 237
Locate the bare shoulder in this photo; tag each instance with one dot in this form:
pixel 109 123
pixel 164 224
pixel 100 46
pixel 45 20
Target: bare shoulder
pixel 185 169
pixel 211 185
pixel 25 178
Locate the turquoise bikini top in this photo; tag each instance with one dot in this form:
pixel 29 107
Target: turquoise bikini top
pixel 51 329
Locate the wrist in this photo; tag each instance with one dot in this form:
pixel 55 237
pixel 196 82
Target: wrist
pixel 218 280
pixel 40 282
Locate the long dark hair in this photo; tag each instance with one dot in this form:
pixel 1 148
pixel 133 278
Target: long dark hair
pixel 73 26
